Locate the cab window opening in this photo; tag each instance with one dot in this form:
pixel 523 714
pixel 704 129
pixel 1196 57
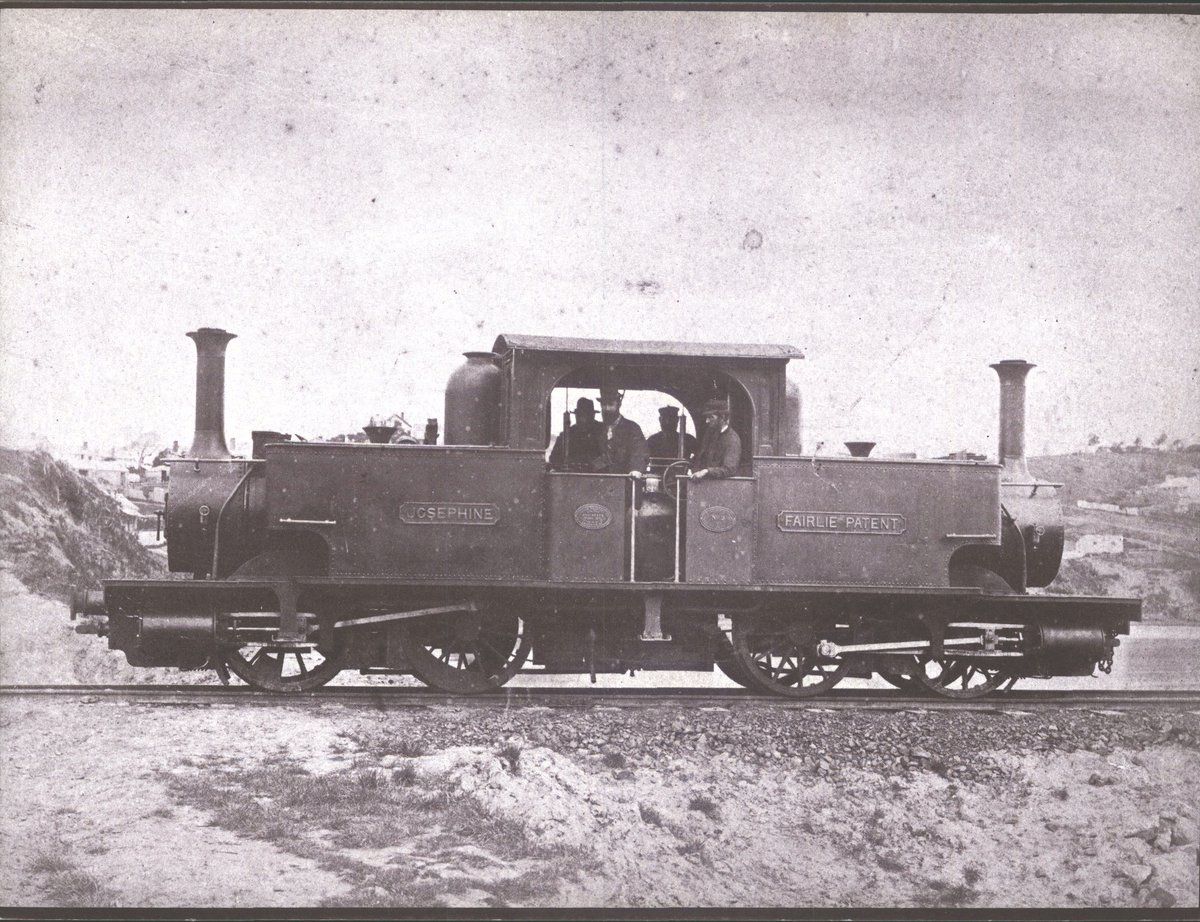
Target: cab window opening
pixel 659 412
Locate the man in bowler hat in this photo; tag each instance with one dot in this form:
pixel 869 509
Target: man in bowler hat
pixel 624 447
pixel 720 447
pixel 582 443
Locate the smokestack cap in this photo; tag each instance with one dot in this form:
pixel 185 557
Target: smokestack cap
pixel 1013 364
pixel 212 333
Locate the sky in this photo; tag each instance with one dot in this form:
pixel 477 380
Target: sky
pixel 361 196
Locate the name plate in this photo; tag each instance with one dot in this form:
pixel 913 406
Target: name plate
pixel 841 523
pixel 593 516
pixel 449 513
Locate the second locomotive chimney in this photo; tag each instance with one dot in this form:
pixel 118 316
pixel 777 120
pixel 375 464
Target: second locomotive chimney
pixel 1012 374
pixel 209 441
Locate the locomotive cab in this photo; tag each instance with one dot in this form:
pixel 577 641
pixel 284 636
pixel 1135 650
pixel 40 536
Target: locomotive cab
pixel 607 527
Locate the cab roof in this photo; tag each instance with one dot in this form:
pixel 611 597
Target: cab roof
pixel 508 342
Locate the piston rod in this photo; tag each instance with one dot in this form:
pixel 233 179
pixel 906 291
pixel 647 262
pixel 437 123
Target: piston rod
pixel 829 649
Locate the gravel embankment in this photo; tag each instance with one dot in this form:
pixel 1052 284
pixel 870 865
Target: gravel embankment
pixel 961 743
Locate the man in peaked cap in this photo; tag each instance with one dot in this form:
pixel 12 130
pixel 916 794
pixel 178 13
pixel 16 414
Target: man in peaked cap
pixel 623 445
pixel 720 447
pixel 664 445
pixel 583 441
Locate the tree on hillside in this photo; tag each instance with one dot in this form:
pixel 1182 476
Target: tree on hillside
pixel 1093 440
pixel 1161 440
pixel 1137 443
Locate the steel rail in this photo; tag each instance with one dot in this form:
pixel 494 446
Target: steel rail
pixel 399 698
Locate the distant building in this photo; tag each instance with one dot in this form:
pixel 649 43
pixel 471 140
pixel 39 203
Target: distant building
pixel 111 475
pixel 1086 545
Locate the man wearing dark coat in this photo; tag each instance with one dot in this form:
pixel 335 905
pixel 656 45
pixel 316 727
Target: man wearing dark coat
pixel 623 445
pixel 720 450
pixel 664 445
pixel 584 440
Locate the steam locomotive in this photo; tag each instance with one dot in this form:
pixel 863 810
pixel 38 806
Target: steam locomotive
pixel 466 562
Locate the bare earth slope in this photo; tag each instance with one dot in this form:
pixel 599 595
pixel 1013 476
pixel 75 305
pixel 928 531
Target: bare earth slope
pixel 1160 557
pixel 58 531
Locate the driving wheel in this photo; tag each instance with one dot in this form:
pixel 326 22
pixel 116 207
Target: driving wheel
pixel 466 653
pixel 959 677
pixel 779 655
pixel 727 661
pixel 962 676
pixel 272 667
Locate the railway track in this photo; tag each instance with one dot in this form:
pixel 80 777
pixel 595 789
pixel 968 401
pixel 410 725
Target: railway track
pixel 398 698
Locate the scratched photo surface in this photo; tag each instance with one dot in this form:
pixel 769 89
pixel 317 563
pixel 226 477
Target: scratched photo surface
pixel 363 196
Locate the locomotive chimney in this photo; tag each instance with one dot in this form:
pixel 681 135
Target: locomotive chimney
pixel 1012 374
pixel 209 441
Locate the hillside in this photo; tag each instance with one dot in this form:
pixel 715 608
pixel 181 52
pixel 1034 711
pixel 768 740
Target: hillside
pixel 59 531
pixel 1151 548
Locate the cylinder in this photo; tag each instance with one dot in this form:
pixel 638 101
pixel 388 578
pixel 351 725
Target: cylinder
pixel 166 630
pixel 1012 374
pixel 1067 650
pixel 473 401
pixel 182 641
pixel 209 440
pixel 87 602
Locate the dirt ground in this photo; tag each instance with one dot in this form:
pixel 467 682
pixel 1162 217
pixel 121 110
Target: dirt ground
pixel 93 813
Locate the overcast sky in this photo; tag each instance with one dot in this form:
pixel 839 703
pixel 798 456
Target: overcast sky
pixel 363 195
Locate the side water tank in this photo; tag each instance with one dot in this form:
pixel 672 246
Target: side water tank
pixel 473 401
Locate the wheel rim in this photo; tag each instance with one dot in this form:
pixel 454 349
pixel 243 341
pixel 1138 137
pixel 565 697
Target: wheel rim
pixel 960 677
pixel 780 657
pixel 727 661
pixel 900 674
pixel 468 654
pixel 274 668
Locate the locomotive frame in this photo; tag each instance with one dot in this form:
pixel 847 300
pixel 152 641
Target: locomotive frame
pixel 456 562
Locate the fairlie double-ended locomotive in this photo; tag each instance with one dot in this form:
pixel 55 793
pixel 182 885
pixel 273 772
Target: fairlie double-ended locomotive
pixel 464 563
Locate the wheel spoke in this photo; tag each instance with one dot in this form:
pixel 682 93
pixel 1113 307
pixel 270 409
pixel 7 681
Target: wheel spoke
pixel 496 653
pixel 478 652
pixel 778 656
pixel 263 666
pixel 960 678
